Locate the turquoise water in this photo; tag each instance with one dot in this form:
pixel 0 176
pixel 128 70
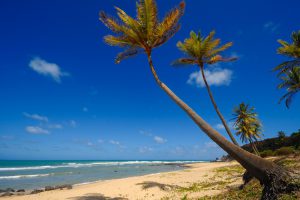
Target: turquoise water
pixel 38 174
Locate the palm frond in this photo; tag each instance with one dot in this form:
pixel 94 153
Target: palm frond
pixel 126 54
pixel 184 62
pixel 219 58
pixel 117 41
pixel 111 23
pixel 283 67
pixel 170 20
pixel 220 49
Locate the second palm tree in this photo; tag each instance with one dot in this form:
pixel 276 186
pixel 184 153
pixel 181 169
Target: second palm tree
pixel 203 51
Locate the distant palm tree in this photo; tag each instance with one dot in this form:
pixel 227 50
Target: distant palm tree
pixel 281 134
pixel 203 51
pixel 291 50
pixel 147 32
pixel 290 81
pixel 247 125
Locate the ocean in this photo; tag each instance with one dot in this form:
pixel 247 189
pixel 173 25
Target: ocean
pixel 37 174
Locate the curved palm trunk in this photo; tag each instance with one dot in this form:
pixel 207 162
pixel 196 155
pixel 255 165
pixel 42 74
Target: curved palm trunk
pixel 270 174
pixel 216 107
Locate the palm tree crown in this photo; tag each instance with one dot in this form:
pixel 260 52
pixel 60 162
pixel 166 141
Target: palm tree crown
pixel 291 82
pixel 143 33
pixel 291 50
pixel 246 123
pixel 202 50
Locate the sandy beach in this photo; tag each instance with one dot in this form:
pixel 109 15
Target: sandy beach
pixel 168 185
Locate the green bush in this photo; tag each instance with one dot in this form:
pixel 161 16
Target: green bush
pixel 267 153
pixel 284 151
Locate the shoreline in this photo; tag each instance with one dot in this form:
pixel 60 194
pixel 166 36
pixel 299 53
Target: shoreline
pixel 150 186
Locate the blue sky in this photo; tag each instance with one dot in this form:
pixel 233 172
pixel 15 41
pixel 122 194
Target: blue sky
pixel 62 96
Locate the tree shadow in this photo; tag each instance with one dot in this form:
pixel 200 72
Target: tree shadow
pixel 151 184
pixel 97 196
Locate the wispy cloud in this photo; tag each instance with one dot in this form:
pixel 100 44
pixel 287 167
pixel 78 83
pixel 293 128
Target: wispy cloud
pixel 219 126
pixel 36 117
pixel 47 69
pixel 216 77
pixel 271 26
pixel 145 149
pixel 7 137
pixel 85 109
pixel 36 130
pixel 146 133
pixel 100 141
pixel 114 142
pixel 179 151
pixel 55 126
pixel 73 123
pixel 210 145
pixel 159 140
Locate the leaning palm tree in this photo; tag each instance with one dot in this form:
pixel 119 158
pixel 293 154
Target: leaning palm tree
pixel 291 50
pixel 247 125
pixel 290 80
pixel 142 35
pixel 205 51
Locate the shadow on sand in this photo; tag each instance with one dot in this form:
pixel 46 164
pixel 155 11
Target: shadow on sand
pixel 150 184
pixel 96 196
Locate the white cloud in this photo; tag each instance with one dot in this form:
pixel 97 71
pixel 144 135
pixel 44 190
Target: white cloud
pixel 114 142
pixel 159 140
pixel 36 117
pixel 36 130
pixel 55 126
pixel 210 145
pixel 219 126
pixel 85 109
pixel 271 26
pixel 47 69
pixel 215 77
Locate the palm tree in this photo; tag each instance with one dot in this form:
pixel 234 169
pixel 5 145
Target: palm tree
pixel 247 125
pixel 291 82
pixel 203 51
pixel 291 50
pixel 281 134
pixel 147 32
pixel 288 71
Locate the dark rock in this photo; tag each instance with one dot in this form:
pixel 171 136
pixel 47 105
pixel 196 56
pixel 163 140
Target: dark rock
pixel 21 190
pixel 9 190
pixel 69 187
pixel 48 188
pixel 66 186
pixel 6 194
pixel 36 191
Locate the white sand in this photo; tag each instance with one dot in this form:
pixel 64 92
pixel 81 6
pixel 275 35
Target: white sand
pixel 155 186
